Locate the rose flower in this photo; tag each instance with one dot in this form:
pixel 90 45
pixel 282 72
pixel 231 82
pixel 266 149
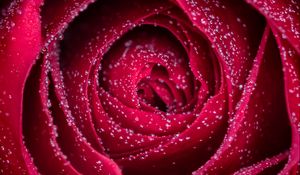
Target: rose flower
pixel 164 87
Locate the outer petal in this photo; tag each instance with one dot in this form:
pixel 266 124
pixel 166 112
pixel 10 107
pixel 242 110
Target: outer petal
pixel 291 67
pixel 65 11
pixel 261 117
pixel 20 41
pixel 284 15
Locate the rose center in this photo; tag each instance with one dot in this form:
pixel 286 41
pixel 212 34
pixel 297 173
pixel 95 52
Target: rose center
pixel 159 91
pixel 148 68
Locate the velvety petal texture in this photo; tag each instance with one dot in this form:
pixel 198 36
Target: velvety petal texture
pixel 170 87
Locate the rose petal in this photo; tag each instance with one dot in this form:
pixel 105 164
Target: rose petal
pixel 291 66
pixel 285 16
pixel 254 126
pixel 19 47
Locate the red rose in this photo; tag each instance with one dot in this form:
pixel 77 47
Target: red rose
pixel 149 87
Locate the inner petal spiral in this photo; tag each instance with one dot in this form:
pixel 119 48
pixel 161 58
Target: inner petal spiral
pixel 149 69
